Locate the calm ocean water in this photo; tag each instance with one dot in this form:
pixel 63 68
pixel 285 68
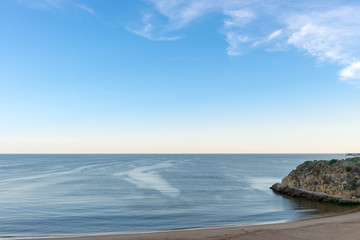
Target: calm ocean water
pixel 42 195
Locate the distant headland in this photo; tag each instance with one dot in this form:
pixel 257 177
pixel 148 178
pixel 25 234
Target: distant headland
pixel 329 181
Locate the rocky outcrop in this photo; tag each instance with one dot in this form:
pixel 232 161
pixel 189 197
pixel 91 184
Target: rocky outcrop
pixel 310 195
pixel 334 180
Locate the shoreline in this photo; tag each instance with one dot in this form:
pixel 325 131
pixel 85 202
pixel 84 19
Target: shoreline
pixel 311 195
pixel 342 226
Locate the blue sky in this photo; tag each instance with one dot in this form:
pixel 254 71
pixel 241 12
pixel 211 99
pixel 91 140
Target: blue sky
pixel 179 76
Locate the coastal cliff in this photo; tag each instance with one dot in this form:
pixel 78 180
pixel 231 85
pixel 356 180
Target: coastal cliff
pixel 334 180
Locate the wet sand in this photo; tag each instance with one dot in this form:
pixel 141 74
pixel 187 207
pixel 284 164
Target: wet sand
pixel 345 226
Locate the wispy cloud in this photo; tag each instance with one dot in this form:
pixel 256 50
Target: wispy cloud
pixel 43 4
pixel 328 32
pixel 56 5
pixel 274 35
pixel 235 21
pixel 269 38
pixel 331 35
pixel 235 41
pixel 181 12
pixel 147 30
pixel 238 18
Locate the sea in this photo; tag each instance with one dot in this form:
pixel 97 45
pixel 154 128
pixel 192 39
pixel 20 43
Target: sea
pixel 79 194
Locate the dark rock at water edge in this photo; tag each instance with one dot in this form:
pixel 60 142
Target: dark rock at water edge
pixel 332 181
pixel 310 195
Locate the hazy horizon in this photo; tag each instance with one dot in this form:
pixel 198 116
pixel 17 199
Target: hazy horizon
pixel 164 153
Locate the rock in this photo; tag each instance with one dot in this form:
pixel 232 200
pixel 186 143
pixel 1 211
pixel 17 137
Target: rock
pixel 334 180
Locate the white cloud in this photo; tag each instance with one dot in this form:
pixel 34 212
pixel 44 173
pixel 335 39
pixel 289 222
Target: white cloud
pixel 182 12
pixel 235 40
pixel 318 41
pixel 147 30
pixel 328 32
pixel 270 37
pixel 238 18
pixel 351 72
pixel 274 35
pixel 331 35
pixel 239 14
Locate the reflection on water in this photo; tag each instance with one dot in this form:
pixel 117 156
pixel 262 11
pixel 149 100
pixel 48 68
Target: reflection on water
pixel 312 208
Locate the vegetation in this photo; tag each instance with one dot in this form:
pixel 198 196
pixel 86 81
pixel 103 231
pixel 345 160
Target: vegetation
pixel 348 168
pixel 332 161
pixel 353 160
pixel 337 178
pixel 351 186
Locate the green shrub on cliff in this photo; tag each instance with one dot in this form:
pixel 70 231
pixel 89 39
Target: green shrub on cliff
pixel 332 161
pixel 351 186
pixel 353 160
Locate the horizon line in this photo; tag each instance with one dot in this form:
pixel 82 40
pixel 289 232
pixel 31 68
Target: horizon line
pixel 164 153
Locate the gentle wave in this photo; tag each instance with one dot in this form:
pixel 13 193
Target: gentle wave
pixel 47 195
pixel 262 183
pixel 47 175
pixel 145 177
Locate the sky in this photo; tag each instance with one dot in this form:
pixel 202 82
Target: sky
pixel 179 76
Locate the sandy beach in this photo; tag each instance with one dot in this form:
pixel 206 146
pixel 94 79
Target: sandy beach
pixel 345 226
